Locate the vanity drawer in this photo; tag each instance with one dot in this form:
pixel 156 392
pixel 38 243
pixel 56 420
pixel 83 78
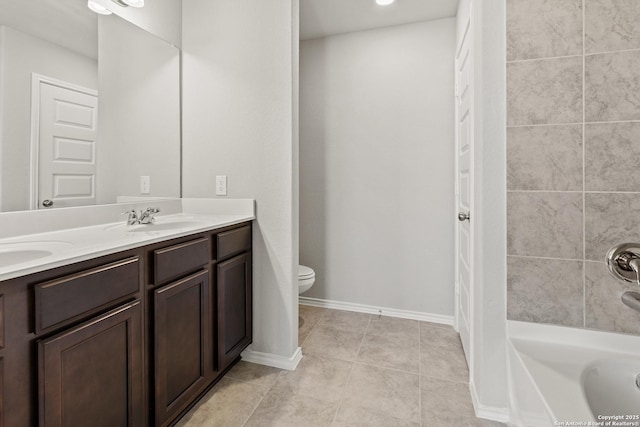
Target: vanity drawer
pixel 176 261
pixel 81 294
pixel 233 242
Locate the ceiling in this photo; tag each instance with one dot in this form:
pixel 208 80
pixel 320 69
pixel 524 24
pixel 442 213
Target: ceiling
pixel 321 18
pixel 68 23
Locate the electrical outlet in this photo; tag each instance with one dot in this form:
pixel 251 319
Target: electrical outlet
pixel 145 185
pixel 221 185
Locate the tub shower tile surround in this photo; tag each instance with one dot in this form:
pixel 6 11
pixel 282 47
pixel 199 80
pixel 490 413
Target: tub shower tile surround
pixel 545 158
pixel 326 390
pixel 612 25
pixel 548 290
pixel 602 301
pixel 611 156
pixel 612 86
pixel 573 127
pixel 542 92
pixel 611 218
pixel 546 224
pixel 543 28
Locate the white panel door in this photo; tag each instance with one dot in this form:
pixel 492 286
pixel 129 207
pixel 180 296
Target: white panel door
pixel 67 133
pixel 464 188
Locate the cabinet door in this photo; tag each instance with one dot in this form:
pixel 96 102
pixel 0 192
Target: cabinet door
pixel 234 307
pixel 91 375
pixel 182 342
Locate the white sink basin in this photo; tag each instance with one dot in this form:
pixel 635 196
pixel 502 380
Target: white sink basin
pixel 19 252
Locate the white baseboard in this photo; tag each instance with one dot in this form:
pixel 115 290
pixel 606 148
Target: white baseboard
pixel 273 360
pixel 487 412
pixel 371 309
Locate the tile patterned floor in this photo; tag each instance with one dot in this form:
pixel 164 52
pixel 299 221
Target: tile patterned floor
pixel 357 370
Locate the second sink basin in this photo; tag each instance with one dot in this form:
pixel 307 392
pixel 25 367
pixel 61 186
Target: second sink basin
pixel 12 257
pixel 19 252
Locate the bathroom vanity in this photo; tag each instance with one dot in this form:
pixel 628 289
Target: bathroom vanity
pixel 128 338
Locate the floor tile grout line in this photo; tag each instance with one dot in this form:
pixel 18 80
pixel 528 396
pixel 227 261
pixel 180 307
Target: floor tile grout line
pixel 353 366
pixel 262 398
pixel 312 327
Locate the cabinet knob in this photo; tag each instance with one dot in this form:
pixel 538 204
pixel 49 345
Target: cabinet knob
pixel 464 216
pixel 47 203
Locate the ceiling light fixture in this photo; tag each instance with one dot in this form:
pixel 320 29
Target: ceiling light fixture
pixel 384 2
pixel 98 8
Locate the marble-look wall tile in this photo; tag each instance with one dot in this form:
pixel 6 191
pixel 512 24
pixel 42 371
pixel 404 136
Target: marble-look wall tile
pixel 544 91
pixel 545 224
pixel 543 28
pixel 612 25
pixel 544 158
pixel 612 87
pixel 612 151
pixel 545 291
pixel 610 218
pixel 603 308
pixel 573 179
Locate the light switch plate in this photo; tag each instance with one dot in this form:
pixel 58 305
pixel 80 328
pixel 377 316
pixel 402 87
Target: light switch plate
pixel 221 185
pixel 145 184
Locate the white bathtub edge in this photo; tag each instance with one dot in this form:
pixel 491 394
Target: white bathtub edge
pixel 587 338
pixel 539 377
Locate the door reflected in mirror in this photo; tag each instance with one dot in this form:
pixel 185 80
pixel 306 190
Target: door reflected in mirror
pixel 90 108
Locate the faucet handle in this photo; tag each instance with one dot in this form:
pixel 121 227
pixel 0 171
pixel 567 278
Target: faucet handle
pixel 147 216
pixel 132 216
pixel 624 262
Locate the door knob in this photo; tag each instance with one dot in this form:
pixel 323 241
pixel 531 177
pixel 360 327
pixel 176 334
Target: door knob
pixel 47 203
pixel 464 216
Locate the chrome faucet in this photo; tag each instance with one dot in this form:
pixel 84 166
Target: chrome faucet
pixel 132 217
pixel 147 217
pixel 144 217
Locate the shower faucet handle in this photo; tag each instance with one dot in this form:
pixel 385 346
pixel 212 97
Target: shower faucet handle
pixel 623 261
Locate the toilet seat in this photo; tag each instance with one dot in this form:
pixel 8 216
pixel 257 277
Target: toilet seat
pixel 305 272
pixel 306 277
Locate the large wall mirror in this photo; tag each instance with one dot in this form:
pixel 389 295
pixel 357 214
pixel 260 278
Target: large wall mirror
pixel 89 108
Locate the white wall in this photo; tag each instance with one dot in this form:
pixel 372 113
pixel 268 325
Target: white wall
pixel 162 18
pixel 23 55
pixel 239 121
pixel 377 166
pixel 139 112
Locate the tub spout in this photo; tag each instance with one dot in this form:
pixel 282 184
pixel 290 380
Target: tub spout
pixel 632 299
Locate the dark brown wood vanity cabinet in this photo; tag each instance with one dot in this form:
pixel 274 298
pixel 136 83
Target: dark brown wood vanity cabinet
pixel 234 291
pixel 92 374
pixel 182 330
pixel 128 339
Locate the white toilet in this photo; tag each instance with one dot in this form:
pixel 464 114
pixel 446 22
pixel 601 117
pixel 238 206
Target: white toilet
pixel 306 277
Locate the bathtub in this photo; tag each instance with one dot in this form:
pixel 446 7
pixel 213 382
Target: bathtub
pixel 565 376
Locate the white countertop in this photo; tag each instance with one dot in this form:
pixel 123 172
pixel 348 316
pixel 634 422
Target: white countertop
pixel 65 246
